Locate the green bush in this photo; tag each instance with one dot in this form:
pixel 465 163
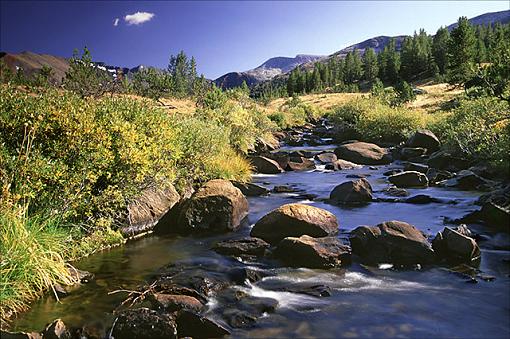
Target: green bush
pixel 479 129
pixel 376 121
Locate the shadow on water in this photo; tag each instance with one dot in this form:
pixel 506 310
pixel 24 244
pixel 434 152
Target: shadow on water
pixel 364 301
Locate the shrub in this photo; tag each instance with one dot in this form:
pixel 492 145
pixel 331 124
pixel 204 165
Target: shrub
pixel 478 129
pixel 403 93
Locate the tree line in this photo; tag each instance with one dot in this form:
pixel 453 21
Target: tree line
pixel 460 56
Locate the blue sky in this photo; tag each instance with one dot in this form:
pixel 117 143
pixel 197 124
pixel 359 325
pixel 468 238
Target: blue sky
pixel 223 36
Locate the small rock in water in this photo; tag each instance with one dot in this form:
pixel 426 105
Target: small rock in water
pixel 352 192
pixel 395 191
pixel 250 190
pixel 143 323
pixel 284 189
pixel 357 176
pixel 409 179
pixel 392 171
pixel 244 246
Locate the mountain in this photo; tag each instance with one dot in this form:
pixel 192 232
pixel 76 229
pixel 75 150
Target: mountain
pixel 502 17
pixel 32 63
pixel 267 71
pixel 378 43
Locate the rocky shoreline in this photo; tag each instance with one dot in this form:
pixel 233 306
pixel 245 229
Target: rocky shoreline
pixel 176 302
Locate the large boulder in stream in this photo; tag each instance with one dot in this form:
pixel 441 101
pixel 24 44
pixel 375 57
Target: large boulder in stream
pixel 394 242
pixel 409 179
pixel 306 251
pixel 425 139
pixel 352 192
pixel 295 220
pixel 216 206
pixel 265 165
pixel 300 164
pixel 456 245
pixel 144 323
pixel 145 211
pixel 363 153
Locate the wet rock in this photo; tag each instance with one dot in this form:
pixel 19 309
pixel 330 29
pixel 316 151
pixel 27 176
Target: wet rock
pixel 446 161
pixel 422 199
pixel 456 245
pixel 144 323
pixel 363 153
pixel 352 192
pixel 282 158
pixel 177 302
pixel 300 164
pixel 300 154
pixel 306 251
pixel 409 179
pixel 395 191
pixel 191 324
pixel 394 242
pixel 20 335
pixel 411 166
pixel 326 158
pixel 301 287
pixel 244 246
pixel 426 139
pixel 250 190
pixel 358 176
pixel 340 165
pixel 167 286
pixel 263 145
pixel 240 275
pixel 145 211
pixel 217 206
pixel 80 275
pixel 392 171
pixel 409 152
pixel 496 216
pixel 283 189
pixel 259 305
pixel 203 279
pixel 305 196
pixel 239 319
pixel 468 180
pixel 56 330
pixel 434 175
pixel 294 220
pixel 265 165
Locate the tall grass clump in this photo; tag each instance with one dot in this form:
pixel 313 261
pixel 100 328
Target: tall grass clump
pixel 294 112
pixel 32 260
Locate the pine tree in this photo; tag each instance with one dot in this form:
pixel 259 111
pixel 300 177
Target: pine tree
pixel 461 53
pixel 440 49
pixel 370 67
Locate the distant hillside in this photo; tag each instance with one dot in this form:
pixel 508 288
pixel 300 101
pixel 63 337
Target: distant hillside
pixel 502 17
pixel 32 63
pixel 267 71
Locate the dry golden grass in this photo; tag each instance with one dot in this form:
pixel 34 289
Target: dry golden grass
pixel 323 102
pixel 435 96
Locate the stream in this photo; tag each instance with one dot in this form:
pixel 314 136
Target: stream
pixel 364 301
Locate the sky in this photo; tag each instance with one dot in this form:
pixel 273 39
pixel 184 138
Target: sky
pixel 224 36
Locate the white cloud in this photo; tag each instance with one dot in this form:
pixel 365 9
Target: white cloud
pixel 138 18
pixel 116 22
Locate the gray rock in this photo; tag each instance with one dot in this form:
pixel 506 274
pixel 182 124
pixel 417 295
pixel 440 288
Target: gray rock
pixel 426 139
pixel 352 192
pixel 265 165
pixel 244 246
pixel 326 157
pixel 363 153
pixel 392 242
pixel 409 179
pixel 306 251
pixel 295 220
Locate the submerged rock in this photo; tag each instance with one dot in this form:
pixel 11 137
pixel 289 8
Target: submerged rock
pixel 244 246
pixel 216 206
pixel 352 192
pixel 306 251
pixel 191 324
pixel 426 139
pixel 456 245
pixel 363 153
pixel 409 179
pixel 294 220
pixel 421 199
pixel 394 242
pixel 395 191
pixel 265 165
pixel 144 323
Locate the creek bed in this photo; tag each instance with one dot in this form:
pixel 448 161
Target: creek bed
pixel 364 301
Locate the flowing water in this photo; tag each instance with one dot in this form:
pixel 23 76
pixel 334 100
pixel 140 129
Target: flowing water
pixel 364 301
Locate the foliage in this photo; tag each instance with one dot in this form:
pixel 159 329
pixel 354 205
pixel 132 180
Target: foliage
pixel 85 78
pixel 478 129
pixel 461 52
pixel 403 94
pixel 376 121
pixel 150 83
